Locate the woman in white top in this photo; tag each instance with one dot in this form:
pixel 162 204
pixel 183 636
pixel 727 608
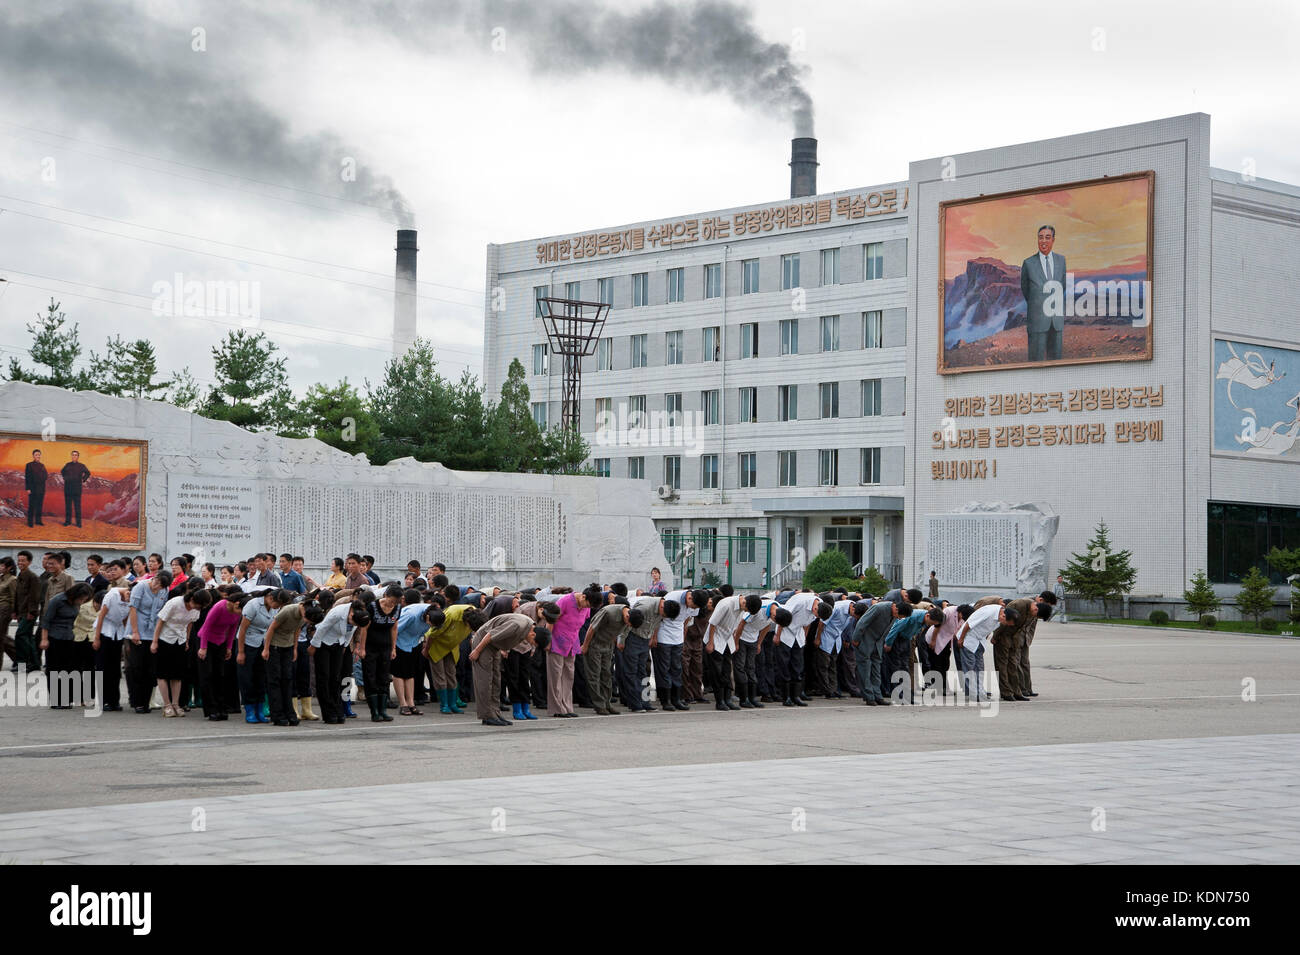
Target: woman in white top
pixel 111 629
pixel 170 642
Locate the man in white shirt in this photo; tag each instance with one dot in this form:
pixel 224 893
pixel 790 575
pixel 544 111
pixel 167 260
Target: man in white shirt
pixel 721 645
pixel 666 646
pixel 789 642
pixel 829 644
pixel 978 626
pixel 756 626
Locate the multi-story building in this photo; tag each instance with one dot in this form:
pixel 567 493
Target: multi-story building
pixel 770 371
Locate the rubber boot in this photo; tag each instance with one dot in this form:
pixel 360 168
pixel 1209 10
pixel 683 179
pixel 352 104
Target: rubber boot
pixel 373 700
pixel 455 702
pixel 249 715
pixel 796 693
pixel 527 711
pixel 516 710
pixel 677 699
pixel 754 700
pixel 265 711
pixel 306 714
pixel 347 709
pixel 726 698
pixel 783 691
pixel 383 708
pixel 721 698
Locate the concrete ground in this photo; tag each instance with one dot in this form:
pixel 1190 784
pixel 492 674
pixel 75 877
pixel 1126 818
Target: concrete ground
pixel 1165 733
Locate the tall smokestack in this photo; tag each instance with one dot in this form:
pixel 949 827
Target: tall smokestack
pixel 803 167
pixel 404 300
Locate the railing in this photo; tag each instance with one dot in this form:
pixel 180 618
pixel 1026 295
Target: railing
pixel 783 576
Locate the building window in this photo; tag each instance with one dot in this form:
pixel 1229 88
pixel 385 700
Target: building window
pixel 539 414
pixel 602 467
pixel 749 276
pixel 673 471
pixel 676 285
pixel 636 468
pixel 605 414
pixel 873 260
pixel 787 400
pixel 713 281
pixel 640 289
pixel 830 266
pixel 747 462
pixel 539 293
pixel 636 411
pixel 828 467
pixel 787 470
pixel 747 413
pixel 541 360
pixel 873 329
pixel 673 409
pixel 709 472
pixel 789 271
pixel 573 290
pixel 847 538
pixel 707 538
pixel 789 336
pixel 749 340
pixel 1241 535
pixel 711 344
pixel 870 397
pixel 830 399
pixel 640 354
pixel 746 551
pixel 830 332
pixel 870 466
pixel 605 291
pixel 709 405
pixel 605 354
pixel 676 353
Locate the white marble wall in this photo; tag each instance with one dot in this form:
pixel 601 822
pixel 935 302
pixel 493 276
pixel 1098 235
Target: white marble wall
pixel 320 502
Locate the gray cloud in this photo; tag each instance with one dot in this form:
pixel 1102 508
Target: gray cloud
pixel 701 46
pixel 138 79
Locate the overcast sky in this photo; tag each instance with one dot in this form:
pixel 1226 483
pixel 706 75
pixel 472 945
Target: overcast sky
pixel 127 156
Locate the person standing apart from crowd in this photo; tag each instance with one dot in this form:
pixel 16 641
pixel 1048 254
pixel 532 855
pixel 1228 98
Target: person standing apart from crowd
pixel 657 586
pixel 336 580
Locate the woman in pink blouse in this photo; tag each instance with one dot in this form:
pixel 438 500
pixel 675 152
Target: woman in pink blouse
pixel 575 608
pixel 217 646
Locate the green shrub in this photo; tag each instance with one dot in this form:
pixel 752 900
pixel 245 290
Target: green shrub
pixel 829 565
pixel 1268 623
pixel 1158 617
pixel 871 583
pixel 1209 620
pixel 709 579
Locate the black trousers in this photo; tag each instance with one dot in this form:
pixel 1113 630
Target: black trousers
pixel 302 671
pixel 329 680
pixel 789 663
pixel 140 680
pixel 668 667
pixel 35 504
pixel 376 668
pixel 765 664
pixel 896 672
pixel 212 683
pixel 60 673
pixel 252 677
pixel 631 667
pixel 279 681
pixel 71 505
pixel 934 663
pixel 581 688
pixel 718 666
pixel 848 668
pixel 537 677
pixel 464 672
pixel 519 686
pixel 108 661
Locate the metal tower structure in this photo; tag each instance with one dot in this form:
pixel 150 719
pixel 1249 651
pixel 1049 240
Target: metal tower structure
pixel 572 328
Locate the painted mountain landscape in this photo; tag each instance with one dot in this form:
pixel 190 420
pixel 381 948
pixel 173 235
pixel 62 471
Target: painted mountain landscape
pixel 1101 229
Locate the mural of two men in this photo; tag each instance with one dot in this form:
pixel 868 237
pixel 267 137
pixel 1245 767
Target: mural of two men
pixel 75 475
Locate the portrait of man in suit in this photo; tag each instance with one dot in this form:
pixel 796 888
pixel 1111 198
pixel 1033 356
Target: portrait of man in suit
pixel 1045 324
pixel 34 476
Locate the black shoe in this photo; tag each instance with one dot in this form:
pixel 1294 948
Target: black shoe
pixel 1021 698
pixel 1031 694
pixel 280 722
pixel 869 701
pixel 798 695
pixel 141 709
pixel 767 698
pixel 112 708
pixel 495 721
pixel 721 705
pixel 293 721
pixel 677 699
pixel 883 702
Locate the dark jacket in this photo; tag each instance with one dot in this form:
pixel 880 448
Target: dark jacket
pixel 74 474
pixel 28 599
pixel 59 616
pixel 35 476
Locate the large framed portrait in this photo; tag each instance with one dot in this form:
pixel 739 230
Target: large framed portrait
pixel 72 491
pixel 1059 275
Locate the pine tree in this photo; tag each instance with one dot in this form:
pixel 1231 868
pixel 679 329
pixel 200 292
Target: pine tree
pixel 252 388
pixel 183 391
pixel 411 407
pixel 338 416
pixel 1100 573
pixel 1201 598
pixel 56 347
pixel 1256 596
pixel 514 435
pixel 133 367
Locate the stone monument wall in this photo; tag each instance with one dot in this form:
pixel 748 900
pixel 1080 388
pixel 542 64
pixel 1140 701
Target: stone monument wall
pixel 222 493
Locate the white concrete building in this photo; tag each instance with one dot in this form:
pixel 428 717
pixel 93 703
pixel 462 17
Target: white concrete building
pixel 798 340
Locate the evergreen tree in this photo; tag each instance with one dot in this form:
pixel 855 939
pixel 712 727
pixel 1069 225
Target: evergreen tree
pixel 338 416
pixel 1256 596
pixel 1201 598
pixel 133 367
pixel 1100 573
pixel 514 436
pixel 252 388
pixel 183 391
pixel 411 407
pixel 56 348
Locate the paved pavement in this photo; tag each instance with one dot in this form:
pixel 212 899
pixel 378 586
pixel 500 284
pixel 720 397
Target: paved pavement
pixel 1221 800
pixel 1166 732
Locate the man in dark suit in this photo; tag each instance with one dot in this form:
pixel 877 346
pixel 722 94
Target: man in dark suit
pixel 1044 321
pixel 35 486
pixel 75 475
